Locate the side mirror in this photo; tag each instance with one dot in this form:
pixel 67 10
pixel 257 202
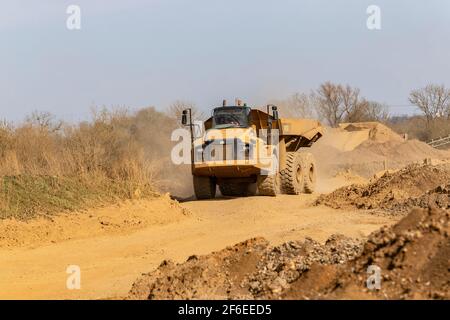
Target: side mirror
pixel 184 118
pixel 275 112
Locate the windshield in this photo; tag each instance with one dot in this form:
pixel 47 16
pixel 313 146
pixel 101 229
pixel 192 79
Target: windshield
pixel 231 117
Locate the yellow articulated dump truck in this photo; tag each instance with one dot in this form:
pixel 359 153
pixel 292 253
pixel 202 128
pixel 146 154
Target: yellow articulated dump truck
pixel 247 151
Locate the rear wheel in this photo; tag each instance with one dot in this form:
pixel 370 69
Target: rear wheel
pixel 293 175
pixel 204 187
pixel 310 175
pixel 268 185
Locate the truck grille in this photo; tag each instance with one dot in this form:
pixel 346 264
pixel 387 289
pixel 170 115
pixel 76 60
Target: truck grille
pixel 223 150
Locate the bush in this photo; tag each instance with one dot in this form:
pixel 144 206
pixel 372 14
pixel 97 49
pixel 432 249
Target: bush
pixel 46 166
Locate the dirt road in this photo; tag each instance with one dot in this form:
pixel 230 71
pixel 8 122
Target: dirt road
pixel 111 262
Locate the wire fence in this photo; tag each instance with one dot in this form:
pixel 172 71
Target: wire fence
pixel 440 142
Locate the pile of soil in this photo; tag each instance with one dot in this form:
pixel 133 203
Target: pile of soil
pixel 349 136
pixel 376 131
pixel 412 258
pixel 394 152
pixel 396 192
pixel 248 270
pixel 367 148
pixel 436 198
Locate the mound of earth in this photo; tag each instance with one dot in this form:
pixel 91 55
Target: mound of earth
pixel 248 270
pixel 396 192
pixel 394 152
pixel 436 198
pixel 368 147
pixel 376 131
pixel 412 258
pixel 349 136
pixel 122 218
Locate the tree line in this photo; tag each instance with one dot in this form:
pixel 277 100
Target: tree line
pixel 335 103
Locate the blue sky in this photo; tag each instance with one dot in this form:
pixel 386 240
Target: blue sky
pixel 139 53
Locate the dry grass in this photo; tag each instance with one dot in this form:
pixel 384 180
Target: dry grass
pixel 47 167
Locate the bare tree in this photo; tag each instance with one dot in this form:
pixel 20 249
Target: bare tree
pixel 328 100
pixel 354 106
pixel 44 120
pixel 177 107
pixel 433 101
pixel 376 111
pixel 298 105
pixel 336 103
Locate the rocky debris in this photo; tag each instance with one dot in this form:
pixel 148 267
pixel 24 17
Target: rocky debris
pixel 248 270
pixel 283 264
pixel 396 192
pixel 439 198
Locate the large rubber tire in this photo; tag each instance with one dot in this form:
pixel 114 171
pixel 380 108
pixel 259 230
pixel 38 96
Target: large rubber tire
pixel 238 189
pixel 268 185
pixel 204 187
pixel 293 175
pixel 310 171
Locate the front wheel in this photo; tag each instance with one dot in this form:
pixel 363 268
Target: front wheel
pixel 293 176
pixel 204 187
pixel 268 185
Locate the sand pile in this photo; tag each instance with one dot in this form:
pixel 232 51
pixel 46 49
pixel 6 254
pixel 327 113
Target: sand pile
pixel 395 152
pixel 377 131
pixel 367 148
pixel 396 192
pixel 349 136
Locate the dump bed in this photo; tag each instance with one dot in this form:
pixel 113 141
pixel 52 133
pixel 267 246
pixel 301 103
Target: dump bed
pixel 307 128
pixel 304 132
